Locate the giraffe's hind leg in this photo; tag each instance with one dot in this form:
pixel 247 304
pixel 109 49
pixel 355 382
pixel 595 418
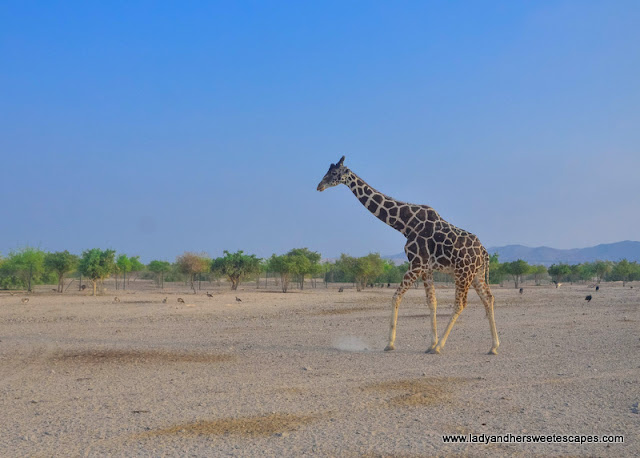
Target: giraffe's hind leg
pixel 487 299
pixel 409 279
pixel 462 290
pixel 430 291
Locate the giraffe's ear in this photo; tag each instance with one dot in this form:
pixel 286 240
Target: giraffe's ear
pixel 340 162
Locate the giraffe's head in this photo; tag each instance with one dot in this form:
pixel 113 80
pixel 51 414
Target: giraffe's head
pixel 335 175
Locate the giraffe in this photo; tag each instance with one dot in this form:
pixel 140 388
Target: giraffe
pixel 433 244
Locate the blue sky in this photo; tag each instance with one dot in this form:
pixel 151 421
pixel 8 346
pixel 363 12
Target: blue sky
pixel 155 128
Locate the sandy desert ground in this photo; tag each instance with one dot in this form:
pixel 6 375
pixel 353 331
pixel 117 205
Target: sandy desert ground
pixel 304 373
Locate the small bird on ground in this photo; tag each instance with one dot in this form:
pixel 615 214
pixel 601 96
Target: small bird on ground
pixel 209 294
pixel 588 298
pixel 341 289
pixel 181 300
pixel 164 301
pixel 116 299
pixel 238 299
pixel 597 288
pixel 13 294
pixel 521 290
pixel 24 300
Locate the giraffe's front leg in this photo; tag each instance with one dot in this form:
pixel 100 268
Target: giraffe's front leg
pixel 434 332
pixel 462 289
pixel 395 304
pixel 432 302
pixel 408 280
pixel 488 300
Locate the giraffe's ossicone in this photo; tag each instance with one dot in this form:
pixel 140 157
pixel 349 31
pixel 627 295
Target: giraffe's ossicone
pixel 433 244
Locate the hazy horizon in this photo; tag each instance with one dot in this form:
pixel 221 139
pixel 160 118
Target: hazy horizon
pixel 155 129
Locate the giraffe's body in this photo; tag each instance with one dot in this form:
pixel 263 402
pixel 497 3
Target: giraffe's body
pixel 433 244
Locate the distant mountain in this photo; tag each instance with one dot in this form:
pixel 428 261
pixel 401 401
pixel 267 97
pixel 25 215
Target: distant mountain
pixel 545 255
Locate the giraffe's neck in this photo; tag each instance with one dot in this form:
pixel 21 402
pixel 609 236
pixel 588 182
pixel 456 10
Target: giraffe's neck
pixel 383 207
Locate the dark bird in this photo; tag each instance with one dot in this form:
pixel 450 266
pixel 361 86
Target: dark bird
pixel 181 300
pixel 341 289
pixel 209 294
pixel 521 290
pixel 588 298
pixel 164 301
pixel 388 285
pixel 116 299
pixel 238 299
pixel 597 288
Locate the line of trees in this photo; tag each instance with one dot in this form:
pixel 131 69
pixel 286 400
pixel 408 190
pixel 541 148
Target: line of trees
pixel 24 268
pixel 597 271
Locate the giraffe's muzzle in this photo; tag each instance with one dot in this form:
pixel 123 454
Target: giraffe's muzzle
pixel 321 187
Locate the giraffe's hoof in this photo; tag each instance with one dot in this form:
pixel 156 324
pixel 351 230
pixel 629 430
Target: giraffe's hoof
pixel 493 351
pixel 436 350
pixel 430 349
pixel 389 348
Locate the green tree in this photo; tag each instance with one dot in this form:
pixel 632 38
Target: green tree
pixel 159 268
pixel 60 262
pixel 634 275
pixel 367 268
pixel 286 266
pixel 123 265
pixel 559 272
pixel 192 264
pixel 625 271
pixel 516 269
pixel 585 271
pixel 346 269
pixel 496 269
pixel 538 272
pixel 601 269
pixel 26 266
pixel 329 272
pixel 390 273
pixel 96 264
pixel 236 266
pixel 309 267
pixel 339 271
pixel 136 267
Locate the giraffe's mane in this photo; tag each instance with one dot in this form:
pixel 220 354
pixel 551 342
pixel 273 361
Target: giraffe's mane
pixel 386 196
